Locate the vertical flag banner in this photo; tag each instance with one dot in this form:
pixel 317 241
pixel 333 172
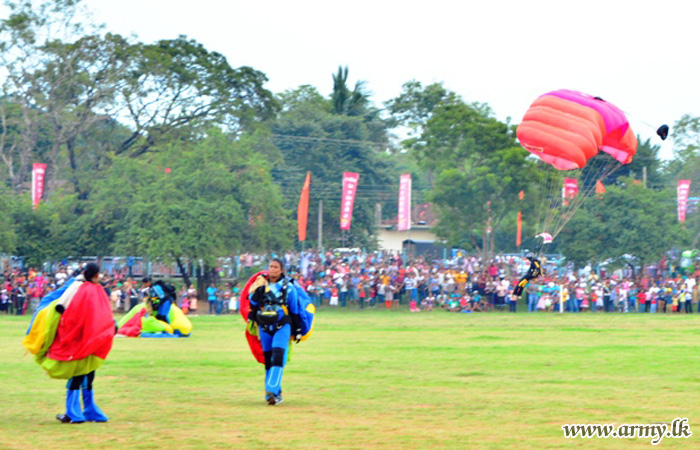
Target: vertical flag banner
pixel 570 189
pixel 599 189
pixel 350 180
pixel 303 208
pixel 404 222
pixel 38 173
pixel 519 235
pixel 683 192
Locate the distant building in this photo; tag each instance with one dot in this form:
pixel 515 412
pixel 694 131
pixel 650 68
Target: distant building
pixel 419 236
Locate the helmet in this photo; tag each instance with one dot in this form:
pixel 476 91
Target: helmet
pixel 530 256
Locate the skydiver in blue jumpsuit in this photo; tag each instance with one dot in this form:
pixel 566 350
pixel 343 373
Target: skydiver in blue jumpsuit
pixel 160 300
pixel 268 308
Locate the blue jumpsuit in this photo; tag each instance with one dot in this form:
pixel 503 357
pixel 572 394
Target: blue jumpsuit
pixel 274 339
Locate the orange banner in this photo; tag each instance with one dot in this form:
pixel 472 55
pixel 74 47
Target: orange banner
pixel 519 236
pixel 303 208
pixel 599 189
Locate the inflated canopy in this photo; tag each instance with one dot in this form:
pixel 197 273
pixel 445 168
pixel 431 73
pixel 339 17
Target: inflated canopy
pixel 567 128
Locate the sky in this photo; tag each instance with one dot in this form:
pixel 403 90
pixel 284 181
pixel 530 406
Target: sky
pixel 641 56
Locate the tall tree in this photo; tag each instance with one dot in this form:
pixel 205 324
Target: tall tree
pixel 686 147
pixel 415 106
pixel 62 77
pixel 175 83
pixel 198 200
pixel 314 136
pixel 478 165
pixel 345 101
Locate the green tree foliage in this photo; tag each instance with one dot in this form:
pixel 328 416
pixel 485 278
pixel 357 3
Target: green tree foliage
pixel 415 105
pixel 197 200
pixel 479 168
pixel 686 137
pixel 629 220
pixel 315 134
pixel 174 83
pixel 344 101
pixel 686 147
pixel 61 77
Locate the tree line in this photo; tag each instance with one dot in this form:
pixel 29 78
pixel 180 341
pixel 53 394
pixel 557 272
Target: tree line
pixel 167 150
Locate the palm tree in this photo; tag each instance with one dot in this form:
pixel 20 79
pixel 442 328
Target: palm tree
pixel 346 102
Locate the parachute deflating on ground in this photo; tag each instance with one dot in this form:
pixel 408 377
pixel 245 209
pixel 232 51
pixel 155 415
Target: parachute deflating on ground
pixel 140 323
pixel 567 128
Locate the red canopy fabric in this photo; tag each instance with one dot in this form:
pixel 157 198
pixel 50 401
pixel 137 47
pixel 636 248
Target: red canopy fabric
pixel 253 341
pixel 86 327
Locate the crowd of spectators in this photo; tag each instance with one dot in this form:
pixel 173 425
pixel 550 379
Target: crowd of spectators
pixel 468 284
pixel 381 280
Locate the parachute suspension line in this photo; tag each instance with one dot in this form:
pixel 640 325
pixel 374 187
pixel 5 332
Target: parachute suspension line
pixel 554 201
pixel 542 196
pixel 568 209
pixel 546 196
pixel 559 210
pixel 660 131
pixel 586 190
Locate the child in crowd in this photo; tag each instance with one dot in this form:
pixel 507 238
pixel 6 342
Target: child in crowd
pixel 428 303
pixel 584 303
pixel 465 303
pixel 334 295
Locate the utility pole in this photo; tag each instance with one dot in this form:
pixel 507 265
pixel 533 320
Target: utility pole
pixel 488 231
pixel 320 226
pixel 644 177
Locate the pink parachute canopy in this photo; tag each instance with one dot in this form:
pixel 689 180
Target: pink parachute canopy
pixel 566 128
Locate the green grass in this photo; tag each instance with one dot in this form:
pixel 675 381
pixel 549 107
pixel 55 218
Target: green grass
pixel 374 380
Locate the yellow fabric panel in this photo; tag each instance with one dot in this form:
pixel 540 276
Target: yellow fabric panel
pixel 179 321
pixel 252 328
pixel 64 370
pixel 312 309
pixel 35 339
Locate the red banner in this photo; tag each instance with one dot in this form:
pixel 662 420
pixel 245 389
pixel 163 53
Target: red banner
pixel 519 235
pixel 683 192
pixel 38 173
pixel 570 189
pixel 303 208
pixel 404 222
pixel 350 180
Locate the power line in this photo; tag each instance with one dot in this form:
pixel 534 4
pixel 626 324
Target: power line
pixel 324 140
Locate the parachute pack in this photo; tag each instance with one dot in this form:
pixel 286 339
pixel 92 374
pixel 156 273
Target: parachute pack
pixel 168 289
pixel 301 309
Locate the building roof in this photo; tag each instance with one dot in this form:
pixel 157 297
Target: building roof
pixel 422 216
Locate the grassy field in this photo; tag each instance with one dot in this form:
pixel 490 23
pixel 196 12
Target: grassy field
pixel 374 380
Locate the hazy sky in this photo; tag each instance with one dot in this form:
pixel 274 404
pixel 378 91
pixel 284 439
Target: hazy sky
pixel 642 58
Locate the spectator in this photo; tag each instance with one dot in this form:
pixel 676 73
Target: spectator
pixel 212 297
pixel 192 295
